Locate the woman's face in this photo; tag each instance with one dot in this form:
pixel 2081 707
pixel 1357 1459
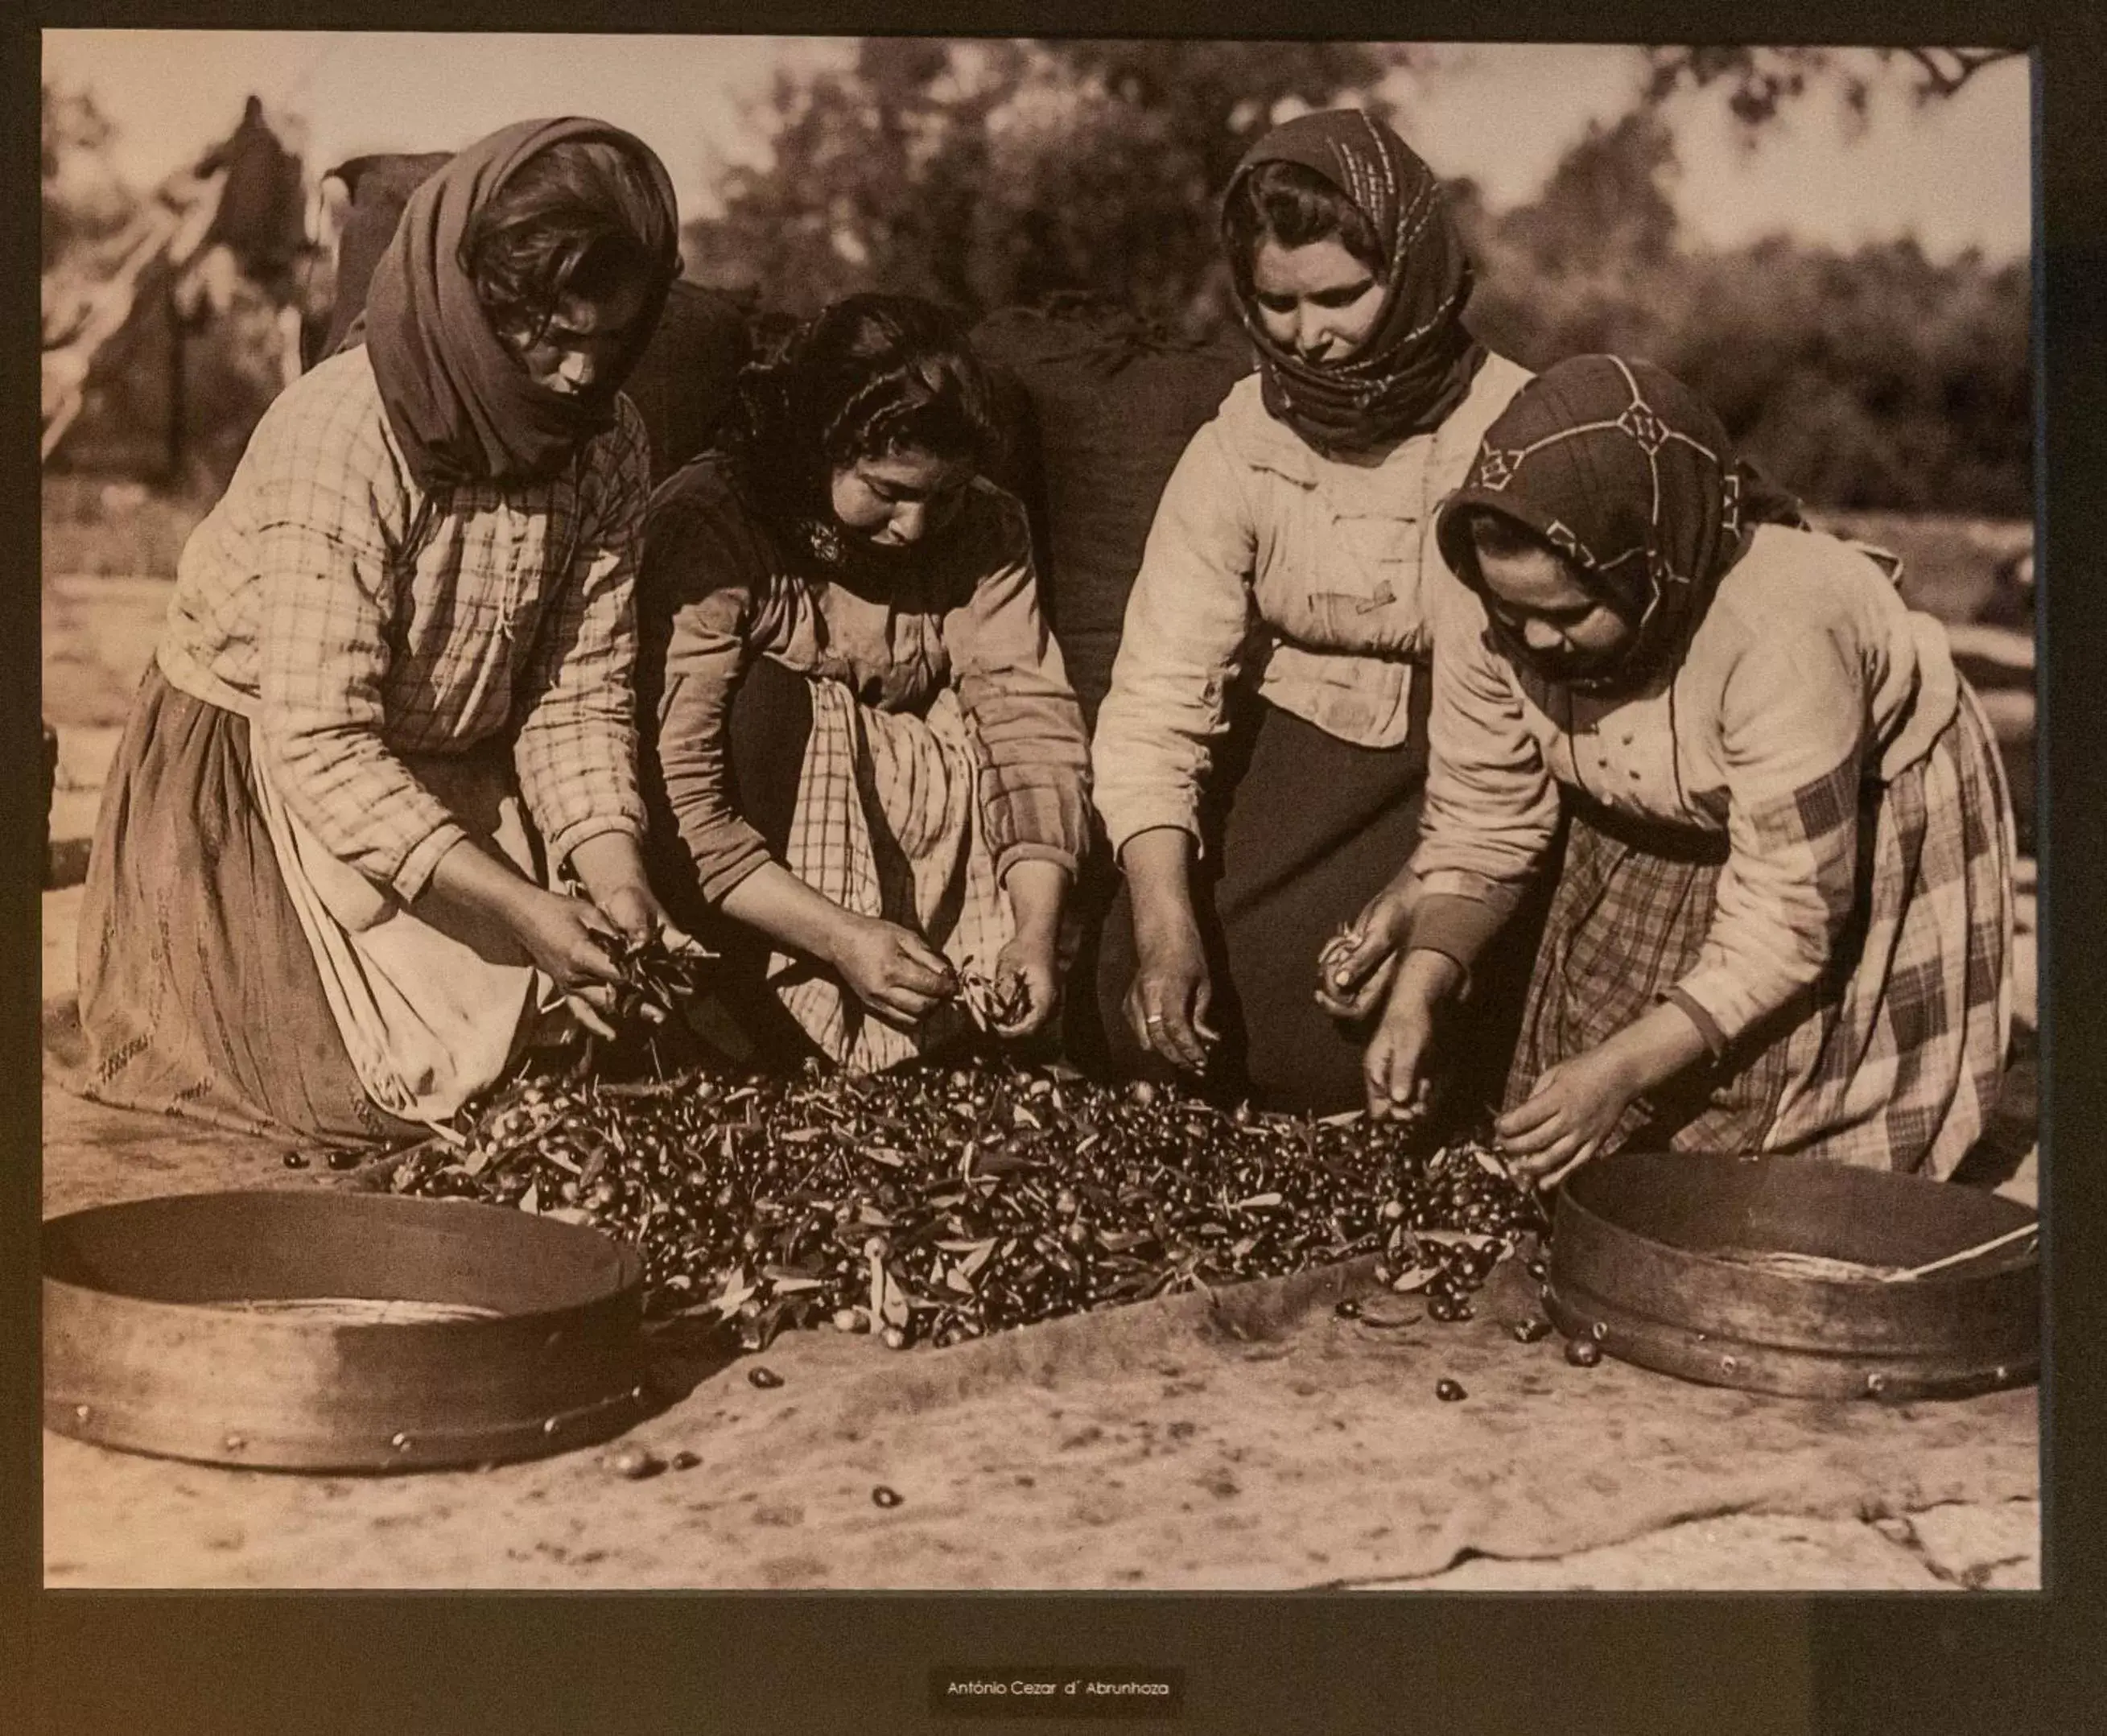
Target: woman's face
pixel 585 338
pixel 895 499
pixel 1317 300
pixel 1569 633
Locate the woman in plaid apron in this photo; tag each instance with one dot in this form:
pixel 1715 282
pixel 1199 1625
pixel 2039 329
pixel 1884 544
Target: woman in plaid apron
pixel 394 694
pixel 868 770
pixel 1783 921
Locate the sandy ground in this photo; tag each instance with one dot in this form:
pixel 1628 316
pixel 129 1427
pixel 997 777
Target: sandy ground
pixel 1265 1444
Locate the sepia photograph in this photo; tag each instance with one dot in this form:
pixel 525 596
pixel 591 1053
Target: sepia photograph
pixel 994 813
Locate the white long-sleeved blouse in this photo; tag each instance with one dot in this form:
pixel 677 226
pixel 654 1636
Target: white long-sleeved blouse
pixel 1808 677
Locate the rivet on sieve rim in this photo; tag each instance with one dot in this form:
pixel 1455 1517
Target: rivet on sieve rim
pixel 82 1413
pixel 1727 1365
pixel 400 1442
pixel 1601 1331
pixel 637 1394
pixel 234 1443
pixel 2003 1373
pixel 1876 1383
pixel 549 1428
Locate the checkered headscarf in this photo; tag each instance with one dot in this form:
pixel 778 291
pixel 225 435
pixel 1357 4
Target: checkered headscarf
pixel 1419 360
pixel 1627 473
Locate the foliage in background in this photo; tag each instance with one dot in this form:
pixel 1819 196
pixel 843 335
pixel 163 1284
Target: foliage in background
pixel 1872 379
pixel 987 173
pixel 83 200
pixel 991 173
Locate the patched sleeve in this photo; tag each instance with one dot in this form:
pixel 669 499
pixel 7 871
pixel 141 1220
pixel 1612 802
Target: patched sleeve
pixel 1793 741
pixel 576 749
pixel 702 575
pixel 1491 807
pixel 331 512
pixel 1187 620
pixel 1035 755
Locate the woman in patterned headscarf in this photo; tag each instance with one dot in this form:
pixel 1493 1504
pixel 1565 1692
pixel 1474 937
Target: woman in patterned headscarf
pixel 394 698
pixel 1783 920
pixel 1292 562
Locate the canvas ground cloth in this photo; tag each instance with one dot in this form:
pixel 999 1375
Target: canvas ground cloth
pixel 1144 1448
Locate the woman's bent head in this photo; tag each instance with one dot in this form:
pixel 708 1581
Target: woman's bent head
pixel 876 419
pixel 1307 258
pixel 565 263
pixel 523 281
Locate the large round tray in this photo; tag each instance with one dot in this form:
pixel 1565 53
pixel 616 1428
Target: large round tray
pixel 1630 1264
pixel 230 1328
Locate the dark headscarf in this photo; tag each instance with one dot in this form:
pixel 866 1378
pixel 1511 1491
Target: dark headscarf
pixel 1419 360
pixel 1627 473
pixel 461 406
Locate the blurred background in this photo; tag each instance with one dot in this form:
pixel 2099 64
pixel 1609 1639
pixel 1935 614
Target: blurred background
pixel 1831 244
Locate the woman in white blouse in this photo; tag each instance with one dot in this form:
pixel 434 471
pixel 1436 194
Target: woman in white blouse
pixel 1292 562
pixel 1782 923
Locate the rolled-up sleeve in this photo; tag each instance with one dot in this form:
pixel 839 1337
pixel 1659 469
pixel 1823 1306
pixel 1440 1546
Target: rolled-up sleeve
pixel 1035 756
pixel 700 579
pixel 1491 806
pixel 576 749
pixel 330 511
pixel 1187 620
pixel 1793 741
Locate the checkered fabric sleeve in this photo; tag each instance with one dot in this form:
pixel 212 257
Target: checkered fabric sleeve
pixel 576 749
pixel 327 503
pixel 702 567
pixel 1793 739
pixel 1491 806
pixel 1035 785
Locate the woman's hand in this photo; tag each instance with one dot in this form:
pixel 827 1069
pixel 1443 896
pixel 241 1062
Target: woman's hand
pixel 1027 965
pixel 1570 1110
pixel 610 867
pixel 892 971
pixel 1395 1067
pixel 1167 1003
pixel 1031 963
pixel 1356 967
pixel 570 940
pixel 1576 1106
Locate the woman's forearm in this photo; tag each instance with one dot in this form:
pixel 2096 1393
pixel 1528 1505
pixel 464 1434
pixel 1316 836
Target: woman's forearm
pixel 608 861
pixel 1656 1047
pixel 1158 866
pixel 1037 890
pixel 776 902
pixel 471 879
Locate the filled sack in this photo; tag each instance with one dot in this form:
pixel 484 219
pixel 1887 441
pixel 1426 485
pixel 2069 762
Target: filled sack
pixel 1099 406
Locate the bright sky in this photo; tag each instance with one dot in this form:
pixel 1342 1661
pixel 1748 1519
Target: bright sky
pixel 1956 174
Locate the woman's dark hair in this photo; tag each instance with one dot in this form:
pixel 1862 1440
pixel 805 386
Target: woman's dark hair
pixel 563 223
pixel 872 375
pixel 1293 206
pixel 1488 532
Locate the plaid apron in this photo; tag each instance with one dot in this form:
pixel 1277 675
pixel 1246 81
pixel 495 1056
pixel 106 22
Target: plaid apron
pixel 1890 1060
pixel 887 824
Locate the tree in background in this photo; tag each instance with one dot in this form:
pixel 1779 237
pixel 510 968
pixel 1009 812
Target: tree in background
pixel 985 174
pixel 1873 379
pixel 989 174
pixel 84 201
pixel 1761 82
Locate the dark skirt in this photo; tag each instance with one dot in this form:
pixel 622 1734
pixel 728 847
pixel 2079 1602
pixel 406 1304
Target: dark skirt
pixel 199 993
pixel 1303 830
